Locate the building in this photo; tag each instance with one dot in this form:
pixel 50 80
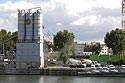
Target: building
pixel 29 48
pixel 79 49
pixel 105 50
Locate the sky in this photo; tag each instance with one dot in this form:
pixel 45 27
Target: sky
pixel 89 20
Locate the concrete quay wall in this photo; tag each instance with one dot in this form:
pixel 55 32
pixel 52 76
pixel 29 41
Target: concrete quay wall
pixel 62 71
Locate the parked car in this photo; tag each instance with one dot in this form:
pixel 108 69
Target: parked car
pixel 105 69
pixel 111 66
pixel 122 66
pixel 99 67
pixel 93 67
pixel 73 63
pixel 96 63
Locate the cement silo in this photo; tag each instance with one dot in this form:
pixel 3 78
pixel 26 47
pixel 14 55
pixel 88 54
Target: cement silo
pixel 29 49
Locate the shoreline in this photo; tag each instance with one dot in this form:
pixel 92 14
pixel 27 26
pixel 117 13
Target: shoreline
pixel 65 71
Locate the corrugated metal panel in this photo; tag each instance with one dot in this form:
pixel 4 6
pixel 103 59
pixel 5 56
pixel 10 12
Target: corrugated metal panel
pixel 20 37
pixel 29 28
pixel 30 46
pixel 21 65
pixel 28 58
pixel 36 16
pixel 37 26
pixel 21 29
pixel 21 16
pixel 37 33
pixel 29 37
pixel 21 33
pixel 30 52
pixel 29 33
pixel 21 26
pixel 36 37
pixel 37 29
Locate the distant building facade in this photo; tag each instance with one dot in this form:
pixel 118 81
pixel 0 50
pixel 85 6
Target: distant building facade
pixel 79 48
pixel 105 50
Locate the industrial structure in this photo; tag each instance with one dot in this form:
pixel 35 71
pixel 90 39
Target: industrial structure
pixel 29 47
pixel 123 14
pixel 123 25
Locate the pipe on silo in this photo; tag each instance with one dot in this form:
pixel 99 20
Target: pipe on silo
pixel 25 28
pixel 33 28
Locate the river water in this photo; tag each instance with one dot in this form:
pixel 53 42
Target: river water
pixel 58 79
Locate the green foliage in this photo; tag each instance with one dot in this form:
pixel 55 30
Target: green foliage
pixel 104 58
pixel 94 57
pixel 115 40
pixel 65 57
pixel 64 42
pixel 5 35
pixel 115 58
pixel 95 48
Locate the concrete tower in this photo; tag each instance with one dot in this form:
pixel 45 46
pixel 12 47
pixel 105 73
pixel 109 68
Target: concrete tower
pixel 29 48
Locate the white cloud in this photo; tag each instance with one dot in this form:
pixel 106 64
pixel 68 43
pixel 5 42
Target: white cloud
pixel 53 5
pixel 87 19
pixel 91 20
pixel 8 17
pixel 76 6
pixel 59 24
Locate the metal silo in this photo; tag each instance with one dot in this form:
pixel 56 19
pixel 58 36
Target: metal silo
pixel 29 52
pixel 38 26
pixel 21 26
pixel 29 26
pixel 38 35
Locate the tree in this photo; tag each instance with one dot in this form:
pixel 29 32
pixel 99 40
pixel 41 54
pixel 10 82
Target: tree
pixel 115 40
pixel 95 48
pixel 64 42
pixel 4 34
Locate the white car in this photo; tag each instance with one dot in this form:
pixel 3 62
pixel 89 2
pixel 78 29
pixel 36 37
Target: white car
pixel 111 66
pixel 114 70
pixel 93 67
pixel 123 66
pixel 99 67
pixel 105 68
pixel 95 71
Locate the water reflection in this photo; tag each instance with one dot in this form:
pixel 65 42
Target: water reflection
pixel 58 79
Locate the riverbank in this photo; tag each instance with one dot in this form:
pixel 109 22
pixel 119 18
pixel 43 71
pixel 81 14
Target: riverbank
pixel 65 71
pixel 86 72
